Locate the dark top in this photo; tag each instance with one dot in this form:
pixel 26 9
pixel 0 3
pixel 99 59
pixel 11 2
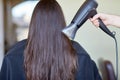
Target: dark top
pixel 13 69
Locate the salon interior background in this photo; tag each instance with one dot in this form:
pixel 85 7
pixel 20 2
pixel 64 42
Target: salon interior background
pixel 99 45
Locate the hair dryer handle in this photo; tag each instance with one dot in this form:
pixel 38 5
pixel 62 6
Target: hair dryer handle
pixel 105 29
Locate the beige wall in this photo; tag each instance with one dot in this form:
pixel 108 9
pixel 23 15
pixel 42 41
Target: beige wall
pixel 1 33
pixel 95 41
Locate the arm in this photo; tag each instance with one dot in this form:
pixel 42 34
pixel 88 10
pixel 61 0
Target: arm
pixel 112 20
pixel 4 73
pixel 87 69
pixel 96 72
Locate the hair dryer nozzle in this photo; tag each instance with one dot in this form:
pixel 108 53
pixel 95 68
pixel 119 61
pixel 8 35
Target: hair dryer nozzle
pixel 87 10
pixel 70 31
pixel 79 19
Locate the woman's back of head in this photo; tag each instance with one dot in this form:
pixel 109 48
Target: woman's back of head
pixel 49 54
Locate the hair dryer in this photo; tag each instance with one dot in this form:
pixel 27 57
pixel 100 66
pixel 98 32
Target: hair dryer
pixel 86 11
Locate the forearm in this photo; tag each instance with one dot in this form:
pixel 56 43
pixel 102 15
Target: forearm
pixel 115 21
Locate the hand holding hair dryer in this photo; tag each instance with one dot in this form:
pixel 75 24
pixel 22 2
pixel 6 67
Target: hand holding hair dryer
pixel 86 11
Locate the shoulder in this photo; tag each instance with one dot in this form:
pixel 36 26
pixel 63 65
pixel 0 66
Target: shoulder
pixel 14 58
pixel 80 50
pixel 17 49
pixel 82 54
pixel 87 69
pixel 12 65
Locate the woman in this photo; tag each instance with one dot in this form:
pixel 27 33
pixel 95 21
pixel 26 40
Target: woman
pixel 48 54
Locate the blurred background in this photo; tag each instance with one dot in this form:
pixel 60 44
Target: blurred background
pixel 15 16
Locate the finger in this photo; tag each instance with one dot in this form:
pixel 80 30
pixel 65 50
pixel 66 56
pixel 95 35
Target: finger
pixel 96 23
pixel 95 17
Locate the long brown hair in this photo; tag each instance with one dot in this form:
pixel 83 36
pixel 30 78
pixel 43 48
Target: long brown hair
pixel 49 54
